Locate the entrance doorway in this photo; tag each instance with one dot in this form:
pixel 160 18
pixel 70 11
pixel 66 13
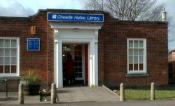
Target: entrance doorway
pixel 75 64
pixel 68 34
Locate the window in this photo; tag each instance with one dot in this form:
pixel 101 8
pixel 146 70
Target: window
pixel 9 56
pixel 136 49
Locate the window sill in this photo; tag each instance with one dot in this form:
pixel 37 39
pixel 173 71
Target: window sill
pixel 137 75
pixel 10 77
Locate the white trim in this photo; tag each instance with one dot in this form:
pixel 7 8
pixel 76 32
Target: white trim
pixel 87 35
pixel 75 26
pixel 17 57
pixel 55 61
pixel 96 57
pixel 144 71
pixel 60 64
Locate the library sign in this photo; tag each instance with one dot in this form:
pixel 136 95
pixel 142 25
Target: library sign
pixel 75 17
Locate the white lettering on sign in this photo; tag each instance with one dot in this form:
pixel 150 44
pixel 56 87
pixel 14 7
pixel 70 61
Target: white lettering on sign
pixel 79 18
pixel 93 18
pixel 54 16
pixel 64 17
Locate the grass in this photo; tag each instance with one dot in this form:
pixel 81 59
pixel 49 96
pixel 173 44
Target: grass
pixel 144 93
pixel 137 94
pixel 165 94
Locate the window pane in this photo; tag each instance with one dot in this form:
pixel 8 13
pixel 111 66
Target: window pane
pixel 13 52
pixel 1 68
pixel 131 52
pixel 13 60
pixel 141 52
pixel 130 44
pixel 7 52
pixel 13 69
pixel 130 67
pixel 141 44
pixel 136 55
pixel 136 67
pixel 13 43
pixel 7 43
pixel 140 66
pixel 1 52
pixel 136 59
pixel 8 56
pixel 1 43
pixel 140 59
pixel 136 44
pixel 7 60
pixel 136 52
pixel 1 60
pixel 130 59
pixel 7 69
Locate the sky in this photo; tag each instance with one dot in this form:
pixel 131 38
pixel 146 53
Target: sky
pixel 30 7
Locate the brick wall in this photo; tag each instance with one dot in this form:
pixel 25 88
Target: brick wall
pixel 115 52
pixel 37 62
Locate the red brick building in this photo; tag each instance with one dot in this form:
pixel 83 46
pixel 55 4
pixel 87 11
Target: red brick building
pixel 105 50
pixel 171 64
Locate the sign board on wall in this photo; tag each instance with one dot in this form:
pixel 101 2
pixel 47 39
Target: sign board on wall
pixel 33 44
pixel 75 17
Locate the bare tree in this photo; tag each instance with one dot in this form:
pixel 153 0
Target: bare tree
pixel 128 9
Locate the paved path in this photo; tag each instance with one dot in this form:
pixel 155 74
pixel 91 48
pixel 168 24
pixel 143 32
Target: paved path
pixel 71 94
pixel 128 103
pixel 34 101
pixel 79 94
pixel 82 96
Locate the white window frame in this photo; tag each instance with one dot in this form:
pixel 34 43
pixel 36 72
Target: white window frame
pixel 144 71
pixel 18 58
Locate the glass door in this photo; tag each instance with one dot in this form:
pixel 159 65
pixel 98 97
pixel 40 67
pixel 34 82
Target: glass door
pixel 76 53
pixel 79 75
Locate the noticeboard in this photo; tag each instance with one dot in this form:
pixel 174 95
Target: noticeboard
pixel 33 44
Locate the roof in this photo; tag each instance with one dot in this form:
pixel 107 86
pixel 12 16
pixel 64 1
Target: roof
pixel 14 18
pixel 44 11
pixel 72 11
pixel 171 51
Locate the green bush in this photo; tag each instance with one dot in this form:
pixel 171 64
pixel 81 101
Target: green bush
pixel 31 78
pixel 33 83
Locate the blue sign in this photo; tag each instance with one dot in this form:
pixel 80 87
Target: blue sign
pixel 75 17
pixel 33 44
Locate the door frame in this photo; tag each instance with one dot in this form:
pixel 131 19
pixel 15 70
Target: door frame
pixel 76 34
